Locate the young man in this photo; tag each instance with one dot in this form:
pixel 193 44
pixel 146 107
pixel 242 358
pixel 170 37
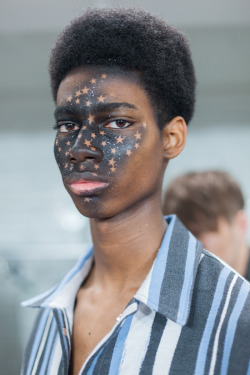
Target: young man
pixel 211 205
pixel 146 298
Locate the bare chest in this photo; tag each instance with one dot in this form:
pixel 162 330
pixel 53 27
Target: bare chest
pixel 91 324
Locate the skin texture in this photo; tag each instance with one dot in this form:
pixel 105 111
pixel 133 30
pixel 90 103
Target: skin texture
pixel 99 148
pixel 228 242
pixel 112 160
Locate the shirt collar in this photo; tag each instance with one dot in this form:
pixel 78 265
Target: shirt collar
pixel 167 289
pixel 63 294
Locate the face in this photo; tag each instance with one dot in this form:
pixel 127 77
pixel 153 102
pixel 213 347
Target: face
pixel 108 146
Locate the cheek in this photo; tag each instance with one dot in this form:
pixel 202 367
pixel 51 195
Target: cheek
pixel 62 148
pixel 119 149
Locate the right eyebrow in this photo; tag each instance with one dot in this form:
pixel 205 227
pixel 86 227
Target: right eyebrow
pixel 63 110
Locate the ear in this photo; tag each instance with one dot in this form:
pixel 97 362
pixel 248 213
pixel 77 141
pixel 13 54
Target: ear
pixel 174 136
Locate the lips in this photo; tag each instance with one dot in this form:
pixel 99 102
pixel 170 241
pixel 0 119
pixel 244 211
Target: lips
pixel 82 187
pixel 85 184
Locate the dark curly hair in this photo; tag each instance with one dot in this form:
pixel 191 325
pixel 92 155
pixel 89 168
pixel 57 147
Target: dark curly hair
pixel 133 40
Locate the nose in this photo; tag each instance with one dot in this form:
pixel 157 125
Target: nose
pixel 80 153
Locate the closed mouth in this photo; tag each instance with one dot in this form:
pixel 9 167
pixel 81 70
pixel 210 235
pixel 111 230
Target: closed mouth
pixel 85 183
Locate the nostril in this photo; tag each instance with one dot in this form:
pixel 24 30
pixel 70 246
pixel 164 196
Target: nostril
pixel 80 154
pixel 72 160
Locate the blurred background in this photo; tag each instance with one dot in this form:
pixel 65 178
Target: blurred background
pixel 41 233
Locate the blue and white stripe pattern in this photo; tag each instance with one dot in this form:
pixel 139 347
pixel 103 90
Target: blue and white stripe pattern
pixel 190 316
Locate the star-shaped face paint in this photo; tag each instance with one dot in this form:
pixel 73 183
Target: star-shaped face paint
pixel 85 90
pixel 101 99
pixel 108 144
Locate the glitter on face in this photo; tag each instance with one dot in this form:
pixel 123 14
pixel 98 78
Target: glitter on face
pixel 115 143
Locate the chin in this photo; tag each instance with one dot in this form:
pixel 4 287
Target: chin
pixel 93 209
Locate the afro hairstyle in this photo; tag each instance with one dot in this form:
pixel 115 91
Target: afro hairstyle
pixel 133 40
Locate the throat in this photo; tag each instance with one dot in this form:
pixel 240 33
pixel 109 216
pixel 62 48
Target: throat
pixel 130 231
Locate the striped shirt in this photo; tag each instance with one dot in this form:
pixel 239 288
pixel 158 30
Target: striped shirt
pixel 190 316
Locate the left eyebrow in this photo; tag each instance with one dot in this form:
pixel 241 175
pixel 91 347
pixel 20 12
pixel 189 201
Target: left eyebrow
pixel 106 107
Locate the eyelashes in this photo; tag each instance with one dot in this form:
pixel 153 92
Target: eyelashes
pixel 55 127
pixel 118 124
pixel 69 127
pixel 66 127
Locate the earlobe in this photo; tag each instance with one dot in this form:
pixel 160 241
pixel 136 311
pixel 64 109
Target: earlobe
pixel 174 136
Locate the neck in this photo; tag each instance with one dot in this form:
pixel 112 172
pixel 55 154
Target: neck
pixel 125 246
pixel 241 260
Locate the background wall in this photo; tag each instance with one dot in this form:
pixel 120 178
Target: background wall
pixel 41 234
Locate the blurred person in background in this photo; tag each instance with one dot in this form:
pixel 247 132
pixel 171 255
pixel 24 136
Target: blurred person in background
pixel 143 298
pixel 211 205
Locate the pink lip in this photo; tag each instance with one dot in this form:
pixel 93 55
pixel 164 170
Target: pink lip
pixel 82 187
pixel 85 183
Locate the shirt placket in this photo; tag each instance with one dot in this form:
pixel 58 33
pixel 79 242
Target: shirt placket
pixel 120 320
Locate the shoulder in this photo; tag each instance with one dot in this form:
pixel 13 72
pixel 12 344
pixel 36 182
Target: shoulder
pixel 213 267
pixel 224 291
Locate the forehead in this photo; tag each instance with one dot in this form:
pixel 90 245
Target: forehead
pixel 112 82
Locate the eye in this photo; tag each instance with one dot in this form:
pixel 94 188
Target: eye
pixel 118 124
pixel 67 127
